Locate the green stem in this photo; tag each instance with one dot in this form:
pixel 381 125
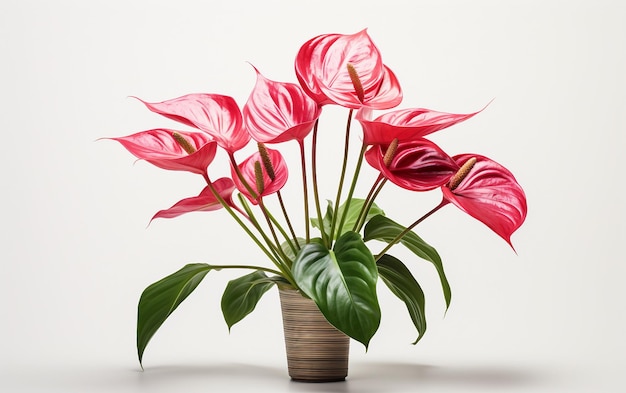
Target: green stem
pixel 234 165
pixel 293 233
pixel 220 267
pixel 240 211
pixel 226 206
pixel 315 188
pixel 253 193
pixel 410 227
pixel 342 177
pixel 357 171
pixel 258 227
pixel 305 190
pixel 369 201
pixel 273 232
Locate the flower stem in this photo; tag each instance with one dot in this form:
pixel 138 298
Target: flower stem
pixel 293 233
pixel 369 201
pixel 253 194
pixel 226 206
pixel 316 196
pixel 343 175
pixel 258 227
pixel 220 267
pixel 234 165
pixel 242 212
pixel 410 227
pixel 305 191
pixel 273 232
pixel 357 170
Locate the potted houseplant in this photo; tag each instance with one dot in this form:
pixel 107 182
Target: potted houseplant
pixel 325 268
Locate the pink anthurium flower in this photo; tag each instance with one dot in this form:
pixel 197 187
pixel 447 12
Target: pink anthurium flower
pixel 419 165
pixel 261 179
pixel 206 201
pixel 346 70
pixel 277 112
pixel 172 150
pixel 405 124
pixel 488 192
pixel 217 115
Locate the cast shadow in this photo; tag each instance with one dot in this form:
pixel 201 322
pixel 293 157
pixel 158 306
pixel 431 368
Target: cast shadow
pixel 220 371
pixel 385 376
pixel 366 377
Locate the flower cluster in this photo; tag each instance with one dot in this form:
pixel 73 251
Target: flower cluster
pixel 335 268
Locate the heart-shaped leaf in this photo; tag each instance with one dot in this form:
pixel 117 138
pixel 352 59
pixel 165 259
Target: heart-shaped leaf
pixel 353 213
pixel 384 229
pixel 402 283
pixel 327 221
pixel 242 295
pixel 288 251
pixel 342 282
pixel 160 299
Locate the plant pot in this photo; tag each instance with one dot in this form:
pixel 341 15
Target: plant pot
pixel 316 350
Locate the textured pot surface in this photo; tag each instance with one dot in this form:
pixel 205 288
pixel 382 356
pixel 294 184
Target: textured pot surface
pixel 316 351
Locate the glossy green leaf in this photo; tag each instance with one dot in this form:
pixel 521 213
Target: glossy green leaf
pixel 242 295
pixel 342 282
pixel 383 229
pixel 354 210
pixel 287 249
pixel 160 299
pixel 401 282
pixel 327 219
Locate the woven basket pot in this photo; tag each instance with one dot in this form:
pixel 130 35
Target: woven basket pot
pixel 316 351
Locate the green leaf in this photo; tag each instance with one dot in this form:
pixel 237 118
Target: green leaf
pixel 352 215
pixel 402 283
pixel 160 299
pixel 354 210
pixel 287 249
pixel 242 295
pixel 342 282
pixel 383 229
pixel 327 219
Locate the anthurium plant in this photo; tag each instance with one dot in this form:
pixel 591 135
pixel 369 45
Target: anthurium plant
pixel 334 256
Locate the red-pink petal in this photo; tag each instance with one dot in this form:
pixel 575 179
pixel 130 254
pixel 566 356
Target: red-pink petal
pixel 490 194
pixel 405 124
pixel 277 112
pixel 388 95
pixel 217 115
pixel 159 148
pixel 334 79
pixel 418 165
pixel 308 66
pixel 322 69
pixel 206 201
pixel 270 186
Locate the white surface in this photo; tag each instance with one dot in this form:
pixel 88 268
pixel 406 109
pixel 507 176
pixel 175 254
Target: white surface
pixel 76 254
pixel 370 376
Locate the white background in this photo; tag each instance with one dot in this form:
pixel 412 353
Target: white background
pixel 76 252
